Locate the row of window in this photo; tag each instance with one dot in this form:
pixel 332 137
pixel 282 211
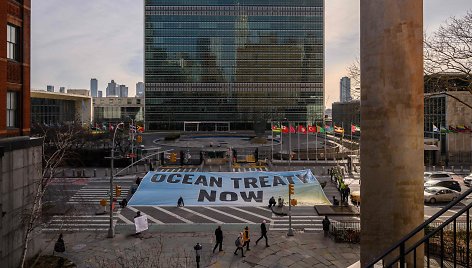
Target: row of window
pixel 235 13
pixel 235 8
pixel 237 24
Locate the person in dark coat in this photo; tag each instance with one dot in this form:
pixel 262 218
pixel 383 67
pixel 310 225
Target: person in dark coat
pixel 335 201
pixel 219 239
pixel 326 224
pixel 180 202
pixel 59 246
pixel 272 202
pixel 263 233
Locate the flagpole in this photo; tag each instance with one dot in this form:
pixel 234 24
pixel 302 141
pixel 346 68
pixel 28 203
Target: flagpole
pixel 326 136
pixel 281 137
pixel 289 144
pixel 316 144
pixel 307 153
pixel 272 144
pixel 298 140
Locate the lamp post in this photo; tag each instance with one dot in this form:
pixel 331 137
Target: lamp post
pixel 198 249
pixel 111 230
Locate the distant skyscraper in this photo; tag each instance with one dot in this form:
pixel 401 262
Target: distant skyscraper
pixel 237 61
pixel 50 88
pixel 112 89
pixel 345 89
pixel 123 91
pixel 94 87
pixel 139 89
pixel 100 94
pixel 62 89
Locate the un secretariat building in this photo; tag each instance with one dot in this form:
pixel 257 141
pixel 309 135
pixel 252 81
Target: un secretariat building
pixel 236 61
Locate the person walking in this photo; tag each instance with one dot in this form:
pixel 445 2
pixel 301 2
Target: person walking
pixel 239 245
pixel 219 239
pixel 180 202
pixel 326 224
pixel 263 233
pixel 246 238
pixel 272 202
pixel 348 192
pixel 59 246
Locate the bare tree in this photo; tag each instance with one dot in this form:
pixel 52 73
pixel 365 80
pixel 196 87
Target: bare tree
pixel 449 51
pixel 62 142
pixel 354 72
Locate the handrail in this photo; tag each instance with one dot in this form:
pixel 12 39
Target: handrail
pixel 419 228
pixel 436 230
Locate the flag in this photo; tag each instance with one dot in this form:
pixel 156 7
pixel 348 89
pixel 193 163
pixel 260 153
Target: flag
pixel 353 129
pixel 444 130
pixel 140 129
pixel 435 128
pixel 320 129
pixel 276 128
pixel 301 129
pixel 329 129
pixel 461 128
pixel 312 129
pixel 292 129
pixel 358 128
pixel 284 129
pixel 452 129
pixel 338 130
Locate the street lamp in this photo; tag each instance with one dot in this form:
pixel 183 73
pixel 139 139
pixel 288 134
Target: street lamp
pixel 198 249
pixel 111 230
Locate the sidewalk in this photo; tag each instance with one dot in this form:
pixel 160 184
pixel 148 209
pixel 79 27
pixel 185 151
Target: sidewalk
pixel 176 250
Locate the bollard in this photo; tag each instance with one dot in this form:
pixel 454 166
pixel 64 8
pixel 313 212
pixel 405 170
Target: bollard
pixel 106 172
pixel 95 172
pixel 434 168
pixel 83 173
pixel 73 173
pixel 442 168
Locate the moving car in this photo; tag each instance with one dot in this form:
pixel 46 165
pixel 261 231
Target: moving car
pixel 450 184
pixel 436 176
pixel 468 180
pixel 439 194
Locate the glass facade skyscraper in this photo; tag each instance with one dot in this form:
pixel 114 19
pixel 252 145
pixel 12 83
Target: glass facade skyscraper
pixel 236 61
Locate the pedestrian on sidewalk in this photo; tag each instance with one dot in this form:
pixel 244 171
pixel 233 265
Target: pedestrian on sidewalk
pixel 138 180
pixel 263 233
pixel 180 202
pixel 348 192
pixel 326 224
pixel 239 245
pixel 59 246
pixel 219 239
pixel 335 201
pixel 247 240
pixel 272 202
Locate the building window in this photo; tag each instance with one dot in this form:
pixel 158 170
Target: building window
pixel 12 111
pixel 12 42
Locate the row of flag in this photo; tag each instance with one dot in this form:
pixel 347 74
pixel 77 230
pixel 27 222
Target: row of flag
pixel 313 129
pixel 452 129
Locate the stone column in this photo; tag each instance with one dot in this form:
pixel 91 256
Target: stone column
pixel 392 122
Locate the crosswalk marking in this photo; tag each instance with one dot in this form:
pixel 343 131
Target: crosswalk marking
pixel 251 213
pixel 148 216
pixel 173 214
pixel 301 222
pixel 201 215
pixel 93 194
pixel 123 218
pixel 229 215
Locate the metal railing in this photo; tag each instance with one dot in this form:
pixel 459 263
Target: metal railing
pixel 345 231
pixel 442 243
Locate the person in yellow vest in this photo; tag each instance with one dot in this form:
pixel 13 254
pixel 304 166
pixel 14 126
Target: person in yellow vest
pixel 246 238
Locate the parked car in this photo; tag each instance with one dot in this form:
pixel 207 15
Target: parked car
pixel 436 176
pixel 439 194
pixel 468 180
pixel 450 184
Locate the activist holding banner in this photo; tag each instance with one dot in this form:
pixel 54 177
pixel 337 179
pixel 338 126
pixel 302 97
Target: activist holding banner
pixel 227 188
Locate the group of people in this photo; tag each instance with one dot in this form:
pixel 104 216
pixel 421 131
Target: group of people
pixel 342 187
pixel 279 203
pixel 243 240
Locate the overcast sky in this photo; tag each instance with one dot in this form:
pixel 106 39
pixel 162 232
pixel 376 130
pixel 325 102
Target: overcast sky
pixel 75 40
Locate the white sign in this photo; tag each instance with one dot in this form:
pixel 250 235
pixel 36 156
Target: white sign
pixel 141 223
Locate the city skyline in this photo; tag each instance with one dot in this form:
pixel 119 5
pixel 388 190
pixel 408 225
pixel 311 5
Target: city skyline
pixel 55 56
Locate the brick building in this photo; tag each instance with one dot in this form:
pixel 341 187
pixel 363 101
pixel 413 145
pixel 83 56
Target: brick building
pixel 15 17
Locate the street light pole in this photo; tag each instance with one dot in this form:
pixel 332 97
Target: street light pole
pixel 111 230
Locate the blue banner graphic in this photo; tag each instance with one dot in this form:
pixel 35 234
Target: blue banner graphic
pixel 227 188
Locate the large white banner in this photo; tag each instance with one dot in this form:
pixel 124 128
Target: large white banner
pixel 227 188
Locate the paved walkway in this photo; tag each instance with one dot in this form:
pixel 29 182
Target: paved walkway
pixel 176 250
